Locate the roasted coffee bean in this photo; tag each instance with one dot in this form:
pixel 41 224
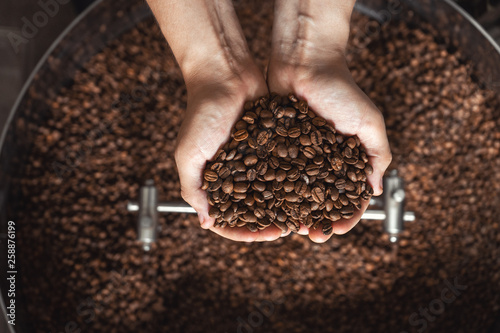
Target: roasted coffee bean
pixel 270 175
pixel 340 183
pixel 312 169
pixel 334 215
pixel 343 199
pixel 249 117
pixel 261 168
pixel 285 165
pixel 240 135
pixel 259 186
pixel 293 225
pixel 294 132
pixel 267 195
pixel 227 186
pixel 281 130
pixel 293 151
pixel 316 138
pixel 318 195
pixel 318 121
pixel 240 187
pixel 309 152
pixel 351 143
pixel 305 140
pixel 288 186
pixel 210 176
pixel 281 225
pixel 300 187
pixel 293 174
pixel 263 138
pixel 327 229
pixel 214 212
pixel 282 150
pixel 292 197
pixel 250 160
pixel 271 144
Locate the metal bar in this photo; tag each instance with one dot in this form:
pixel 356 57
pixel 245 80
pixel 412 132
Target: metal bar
pixel 181 207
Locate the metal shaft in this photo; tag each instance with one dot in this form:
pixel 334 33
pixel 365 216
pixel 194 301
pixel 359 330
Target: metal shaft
pixel 182 207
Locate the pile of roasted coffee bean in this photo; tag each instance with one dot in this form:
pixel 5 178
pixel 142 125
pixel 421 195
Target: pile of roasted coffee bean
pixel 284 165
pixel 81 268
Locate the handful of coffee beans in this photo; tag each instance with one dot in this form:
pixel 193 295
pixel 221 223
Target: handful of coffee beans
pixel 284 165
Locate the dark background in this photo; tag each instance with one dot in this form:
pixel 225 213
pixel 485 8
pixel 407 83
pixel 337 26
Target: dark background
pixel 15 67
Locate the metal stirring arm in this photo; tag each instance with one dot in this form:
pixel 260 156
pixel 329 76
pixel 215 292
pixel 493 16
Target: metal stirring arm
pixel 392 201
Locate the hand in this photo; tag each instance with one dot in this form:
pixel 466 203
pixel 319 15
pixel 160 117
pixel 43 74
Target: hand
pixel 212 110
pixel 309 41
pixel 331 93
pixel 220 75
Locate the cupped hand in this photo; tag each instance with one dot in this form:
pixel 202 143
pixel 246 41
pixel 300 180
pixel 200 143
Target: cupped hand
pixel 213 107
pixel 332 93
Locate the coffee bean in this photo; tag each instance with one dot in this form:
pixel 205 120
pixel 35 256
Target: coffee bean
pixel 227 186
pixel 300 188
pixel 309 152
pixel 282 150
pixel 214 212
pixel 270 175
pixel 327 229
pixel 305 140
pixel 263 138
pixel 281 130
pixel 293 151
pixel 351 143
pixel 250 160
pixel 240 187
pixel 259 186
pixel 318 195
pixel 294 132
pixel 340 183
pixel 316 138
pixel 292 197
pixel 293 225
pixel 210 176
pixel 240 135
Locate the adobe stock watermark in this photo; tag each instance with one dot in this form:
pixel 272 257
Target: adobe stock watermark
pixel 264 309
pixel 88 309
pixel 436 307
pixel 31 26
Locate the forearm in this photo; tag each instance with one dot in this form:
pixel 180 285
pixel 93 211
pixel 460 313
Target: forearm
pixel 308 31
pixel 205 37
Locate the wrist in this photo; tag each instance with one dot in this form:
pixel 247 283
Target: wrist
pixel 217 67
pixel 308 32
pixel 284 77
pixel 236 83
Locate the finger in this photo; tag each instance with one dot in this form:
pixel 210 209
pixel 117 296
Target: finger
pixel 303 230
pixel 238 234
pixel 269 234
pixel 374 137
pixel 190 168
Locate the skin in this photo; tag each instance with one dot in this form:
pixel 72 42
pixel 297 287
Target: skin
pixel 307 58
